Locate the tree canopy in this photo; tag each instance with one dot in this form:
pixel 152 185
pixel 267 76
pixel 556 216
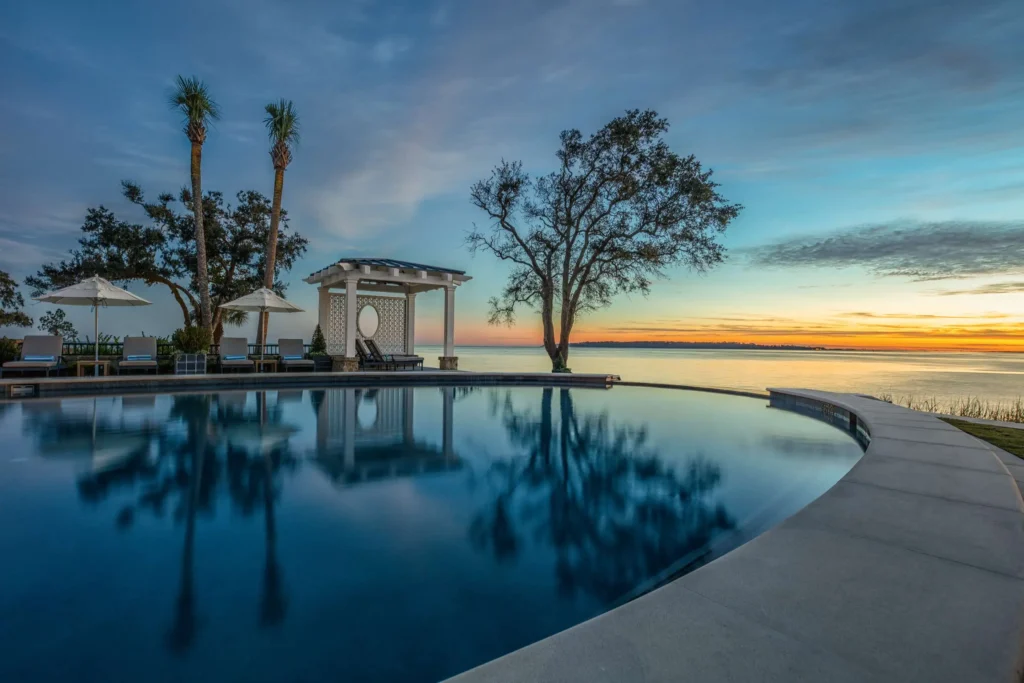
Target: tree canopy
pixel 11 303
pixel 620 209
pixel 162 251
pixel 57 324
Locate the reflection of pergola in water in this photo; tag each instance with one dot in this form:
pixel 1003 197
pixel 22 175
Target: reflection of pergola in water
pixel 367 434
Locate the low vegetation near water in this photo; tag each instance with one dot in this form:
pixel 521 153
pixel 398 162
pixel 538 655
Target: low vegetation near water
pixel 964 406
pixel 1010 439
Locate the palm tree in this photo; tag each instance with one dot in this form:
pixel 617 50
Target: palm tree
pixel 283 127
pixel 191 97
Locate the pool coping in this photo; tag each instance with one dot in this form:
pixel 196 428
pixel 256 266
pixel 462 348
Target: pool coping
pixel 69 387
pixel 911 567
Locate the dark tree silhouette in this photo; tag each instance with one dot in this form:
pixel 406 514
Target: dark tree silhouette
pixel 193 468
pixel 613 510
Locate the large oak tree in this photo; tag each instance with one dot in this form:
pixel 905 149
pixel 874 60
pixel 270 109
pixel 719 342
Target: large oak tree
pixel 620 209
pixel 162 252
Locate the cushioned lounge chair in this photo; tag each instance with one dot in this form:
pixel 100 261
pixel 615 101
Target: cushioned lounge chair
pixel 139 355
pixel 234 355
pixel 366 359
pixel 396 360
pixel 39 353
pixel 293 355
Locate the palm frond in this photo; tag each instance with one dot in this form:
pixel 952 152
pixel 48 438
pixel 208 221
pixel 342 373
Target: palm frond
pixel 193 99
pixel 282 122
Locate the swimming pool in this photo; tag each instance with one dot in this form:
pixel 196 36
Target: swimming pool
pixel 401 534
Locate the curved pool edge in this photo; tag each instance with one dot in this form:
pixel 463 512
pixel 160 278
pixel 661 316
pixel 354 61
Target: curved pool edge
pixel 911 567
pixel 70 387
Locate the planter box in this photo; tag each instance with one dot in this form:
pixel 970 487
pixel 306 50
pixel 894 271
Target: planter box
pixel 321 363
pixel 190 364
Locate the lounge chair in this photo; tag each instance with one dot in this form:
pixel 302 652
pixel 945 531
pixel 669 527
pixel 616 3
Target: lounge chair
pixel 139 354
pixel 39 353
pixel 396 360
pixel 234 355
pixel 293 355
pixel 366 359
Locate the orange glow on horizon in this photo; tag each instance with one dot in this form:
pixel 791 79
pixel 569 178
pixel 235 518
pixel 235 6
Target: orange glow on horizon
pixel 967 336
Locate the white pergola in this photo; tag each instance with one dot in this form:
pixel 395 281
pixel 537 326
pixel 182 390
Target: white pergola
pixel 388 287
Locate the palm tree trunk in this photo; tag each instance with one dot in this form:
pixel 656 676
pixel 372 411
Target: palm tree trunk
pixel 268 272
pixel 202 278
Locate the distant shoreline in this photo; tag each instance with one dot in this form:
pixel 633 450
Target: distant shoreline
pixel 740 346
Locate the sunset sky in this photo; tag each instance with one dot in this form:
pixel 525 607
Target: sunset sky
pixel 877 146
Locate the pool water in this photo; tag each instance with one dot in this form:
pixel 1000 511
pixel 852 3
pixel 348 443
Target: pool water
pixel 391 534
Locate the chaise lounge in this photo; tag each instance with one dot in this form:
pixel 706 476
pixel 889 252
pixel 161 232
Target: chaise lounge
pixel 395 360
pixel 293 355
pixel 366 359
pixel 234 355
pixel 39 353
pixel 138 355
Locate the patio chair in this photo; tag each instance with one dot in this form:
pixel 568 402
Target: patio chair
pixel 139 354
pixel 367 361
pixel 39 353
pixel 293 355
pixel 396 360
pixel 234 355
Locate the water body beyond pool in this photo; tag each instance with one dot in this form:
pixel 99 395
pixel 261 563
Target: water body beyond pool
pixel 945 376
pixel 391 534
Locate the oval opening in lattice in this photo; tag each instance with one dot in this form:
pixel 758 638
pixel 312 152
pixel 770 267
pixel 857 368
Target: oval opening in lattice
pixel 369 321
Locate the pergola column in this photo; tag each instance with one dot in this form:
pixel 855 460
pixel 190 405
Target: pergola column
pixel 449 361
pixel 324 314
pixel 350 361
pixel 410 323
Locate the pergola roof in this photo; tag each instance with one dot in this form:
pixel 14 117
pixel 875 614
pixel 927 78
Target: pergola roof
pixel 384 274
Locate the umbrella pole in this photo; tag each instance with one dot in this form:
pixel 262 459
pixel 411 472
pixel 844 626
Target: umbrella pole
pixel 262 332
pixel 96 336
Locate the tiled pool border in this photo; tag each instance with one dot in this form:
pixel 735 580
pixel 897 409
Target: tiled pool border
pixel 910 568
pixel 61 387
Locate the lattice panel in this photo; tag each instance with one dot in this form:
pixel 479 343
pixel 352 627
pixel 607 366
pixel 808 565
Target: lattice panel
pixel 390 334
pixel 335 332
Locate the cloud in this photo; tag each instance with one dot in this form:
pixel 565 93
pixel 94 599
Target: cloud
pixel 991 288
pixel 919 316
pixel 919 251
pixel 388 50
pixel 811 331
pixel 21 257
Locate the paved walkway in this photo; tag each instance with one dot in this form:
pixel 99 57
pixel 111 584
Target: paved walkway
pixel 911 568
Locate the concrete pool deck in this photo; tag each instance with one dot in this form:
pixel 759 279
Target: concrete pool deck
pixel 911 568
pixel 62 387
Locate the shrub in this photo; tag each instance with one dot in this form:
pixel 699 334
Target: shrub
pixel 9 350
pixel 318 345
pixel 192 339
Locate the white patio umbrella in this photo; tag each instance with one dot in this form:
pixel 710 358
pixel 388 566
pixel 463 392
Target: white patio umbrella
pixel 263 300
pixel 95 292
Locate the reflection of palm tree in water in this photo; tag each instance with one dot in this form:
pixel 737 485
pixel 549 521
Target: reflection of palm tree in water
pixel 195 411
pixel 186 477
pixel 613 511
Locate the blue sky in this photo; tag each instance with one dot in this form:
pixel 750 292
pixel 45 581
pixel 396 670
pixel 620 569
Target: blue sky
pixel 848 130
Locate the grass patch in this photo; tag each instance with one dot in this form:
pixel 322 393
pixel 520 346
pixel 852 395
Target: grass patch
pixel 963 406
pixel 1009 439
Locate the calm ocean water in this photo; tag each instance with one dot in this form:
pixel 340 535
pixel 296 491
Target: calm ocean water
pixel 992 376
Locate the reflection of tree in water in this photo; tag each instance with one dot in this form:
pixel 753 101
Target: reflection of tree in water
pixel 600 495
pixel 188 474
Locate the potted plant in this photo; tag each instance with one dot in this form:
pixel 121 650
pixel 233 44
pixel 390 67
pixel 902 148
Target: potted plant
pixel 191 344
pixel 318 352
